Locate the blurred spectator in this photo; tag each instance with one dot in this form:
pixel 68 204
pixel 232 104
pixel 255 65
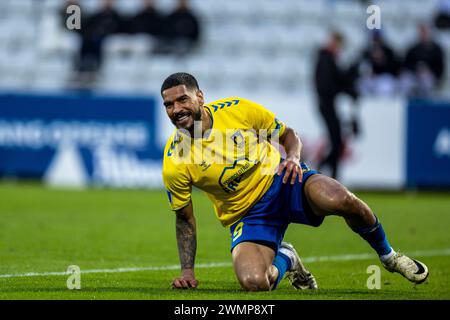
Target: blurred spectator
pixel 182 29
pixel 380 67
pixel 442 18
pixel 94 31
pixel 380 56
pixel 329 81
pixel 424 63
pixel 148 20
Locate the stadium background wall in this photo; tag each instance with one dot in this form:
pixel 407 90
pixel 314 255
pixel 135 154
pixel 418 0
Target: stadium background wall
pixel 117 141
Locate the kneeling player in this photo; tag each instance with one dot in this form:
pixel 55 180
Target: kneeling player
pixel 256 197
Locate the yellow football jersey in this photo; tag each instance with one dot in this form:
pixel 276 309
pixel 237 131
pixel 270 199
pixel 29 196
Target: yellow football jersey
pixel 234 162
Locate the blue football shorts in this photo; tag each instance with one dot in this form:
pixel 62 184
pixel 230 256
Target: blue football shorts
pixel 267 221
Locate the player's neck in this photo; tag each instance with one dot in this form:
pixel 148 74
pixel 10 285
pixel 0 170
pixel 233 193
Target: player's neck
pixel 206 120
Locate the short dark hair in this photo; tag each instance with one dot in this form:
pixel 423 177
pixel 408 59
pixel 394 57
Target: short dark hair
pixel 180 78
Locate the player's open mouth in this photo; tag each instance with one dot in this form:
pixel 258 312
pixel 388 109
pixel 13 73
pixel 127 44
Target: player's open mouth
pixel 183 118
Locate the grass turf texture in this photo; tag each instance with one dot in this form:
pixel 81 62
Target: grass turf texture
pixel 46 230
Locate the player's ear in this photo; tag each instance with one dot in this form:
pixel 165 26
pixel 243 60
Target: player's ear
pixel 200 97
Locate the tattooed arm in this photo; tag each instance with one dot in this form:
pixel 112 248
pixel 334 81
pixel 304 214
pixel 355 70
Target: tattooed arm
pixel 187 246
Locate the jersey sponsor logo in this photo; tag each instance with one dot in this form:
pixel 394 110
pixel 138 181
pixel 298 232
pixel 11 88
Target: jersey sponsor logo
pixel 204 165
pixel 221 105
pixel 232 175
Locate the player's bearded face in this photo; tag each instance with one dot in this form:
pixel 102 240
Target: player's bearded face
pixel 183 106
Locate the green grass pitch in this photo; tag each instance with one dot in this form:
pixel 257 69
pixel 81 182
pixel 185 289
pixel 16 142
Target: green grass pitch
pixel 46 230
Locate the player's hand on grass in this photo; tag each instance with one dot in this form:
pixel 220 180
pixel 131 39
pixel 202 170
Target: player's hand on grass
pixel 293 169
pixel 185 281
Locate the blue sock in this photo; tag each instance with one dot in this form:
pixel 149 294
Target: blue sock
pixel 376 237
pixel 282 263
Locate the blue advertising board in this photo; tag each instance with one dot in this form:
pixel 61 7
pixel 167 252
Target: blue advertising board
pixel 80 139
pixel 428 144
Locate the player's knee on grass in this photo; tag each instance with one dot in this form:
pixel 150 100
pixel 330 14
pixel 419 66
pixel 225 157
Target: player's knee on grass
pixel 255 281
pixel 253 266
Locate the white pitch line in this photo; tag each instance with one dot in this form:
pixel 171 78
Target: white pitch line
pixel 118 270
pixel 344 257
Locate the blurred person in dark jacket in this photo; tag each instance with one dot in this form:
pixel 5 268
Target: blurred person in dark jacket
pixel 329 81
pixel 381 57
pixel 182 28
pixel 424 61
pixel 96 28
pixel 381 67
pixel 148 20
pixel 442 17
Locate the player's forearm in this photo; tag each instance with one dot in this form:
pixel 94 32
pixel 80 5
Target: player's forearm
pixel 187 241
pixel 291 143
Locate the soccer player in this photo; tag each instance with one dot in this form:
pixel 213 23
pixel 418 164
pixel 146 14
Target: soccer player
pixel 255 192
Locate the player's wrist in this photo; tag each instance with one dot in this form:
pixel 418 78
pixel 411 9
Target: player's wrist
pixel 293 157
pixel 188 272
